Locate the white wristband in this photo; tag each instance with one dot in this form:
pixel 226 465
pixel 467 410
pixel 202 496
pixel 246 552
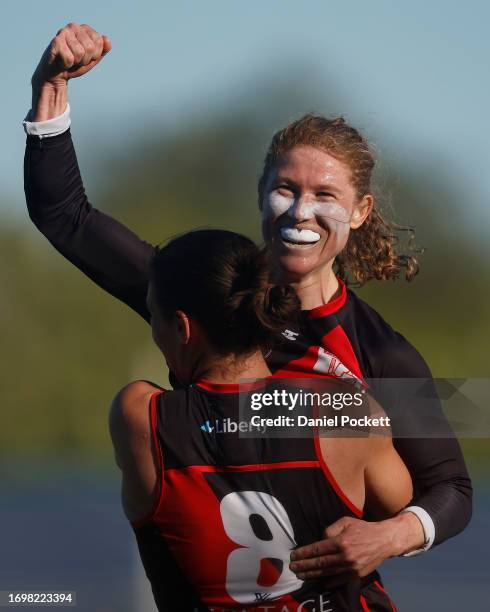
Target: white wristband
pixel 50 127
pixel 428 527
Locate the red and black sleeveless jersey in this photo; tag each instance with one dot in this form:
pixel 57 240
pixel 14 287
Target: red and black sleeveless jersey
pixel 230 509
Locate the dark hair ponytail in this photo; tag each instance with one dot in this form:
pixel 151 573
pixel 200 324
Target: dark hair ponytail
pixel 220 278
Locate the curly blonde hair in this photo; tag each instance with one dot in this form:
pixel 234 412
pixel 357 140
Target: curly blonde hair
pixel 373 250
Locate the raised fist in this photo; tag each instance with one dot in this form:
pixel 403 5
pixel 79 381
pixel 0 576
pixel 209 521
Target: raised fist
pixel 74 50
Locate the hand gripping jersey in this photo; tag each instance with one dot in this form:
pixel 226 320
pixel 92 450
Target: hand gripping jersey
pixel 231 509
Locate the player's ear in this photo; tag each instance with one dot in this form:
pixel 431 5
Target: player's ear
pixel 183 326
pixel 361 211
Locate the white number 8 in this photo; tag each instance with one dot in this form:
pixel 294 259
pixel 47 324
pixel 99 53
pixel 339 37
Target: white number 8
pixel 244 564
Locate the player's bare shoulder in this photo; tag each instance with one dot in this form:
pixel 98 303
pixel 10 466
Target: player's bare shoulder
pixel 129 417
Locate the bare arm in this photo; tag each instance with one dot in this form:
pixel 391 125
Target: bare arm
pixel 134 448
pixel 388 483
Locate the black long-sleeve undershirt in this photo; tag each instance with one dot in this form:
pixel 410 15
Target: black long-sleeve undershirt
pixel 117 260
pixel 101 247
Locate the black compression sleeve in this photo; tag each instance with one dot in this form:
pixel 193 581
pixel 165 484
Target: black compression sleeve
pixel 101 247
pixel 441 482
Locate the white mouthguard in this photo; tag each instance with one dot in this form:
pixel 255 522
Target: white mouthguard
pixel 299 236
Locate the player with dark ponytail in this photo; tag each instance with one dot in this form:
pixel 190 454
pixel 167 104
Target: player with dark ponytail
pixel 230 509
pixel 222 279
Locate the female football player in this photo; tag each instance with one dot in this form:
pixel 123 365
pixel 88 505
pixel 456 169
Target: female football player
pixel 230 509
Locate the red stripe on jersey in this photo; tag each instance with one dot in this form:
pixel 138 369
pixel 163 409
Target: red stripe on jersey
pixel 331 479
pixel 254 467
pixel 327 309
pixel 380 587
pixel 337 342
pixel 302 367
pixel 364 604
pixel 335 359
pixel 215 387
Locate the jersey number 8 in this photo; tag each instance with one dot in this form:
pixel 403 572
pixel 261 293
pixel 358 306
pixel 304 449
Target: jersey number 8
pixel 243 513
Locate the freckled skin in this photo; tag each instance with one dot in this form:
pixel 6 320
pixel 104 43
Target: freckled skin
pixel 308 189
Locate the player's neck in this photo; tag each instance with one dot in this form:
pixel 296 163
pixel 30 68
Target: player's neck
pixel 317 289
pixel 232 368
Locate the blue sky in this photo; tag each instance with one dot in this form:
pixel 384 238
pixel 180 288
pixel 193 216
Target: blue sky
pixel 413 75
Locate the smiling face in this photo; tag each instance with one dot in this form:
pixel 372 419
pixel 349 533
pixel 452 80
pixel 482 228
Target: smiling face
pixel 309 205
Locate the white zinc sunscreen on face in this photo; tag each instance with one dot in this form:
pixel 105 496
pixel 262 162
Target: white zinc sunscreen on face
pixel 276 205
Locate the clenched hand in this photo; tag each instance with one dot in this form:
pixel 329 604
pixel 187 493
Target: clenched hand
pixel 74 51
